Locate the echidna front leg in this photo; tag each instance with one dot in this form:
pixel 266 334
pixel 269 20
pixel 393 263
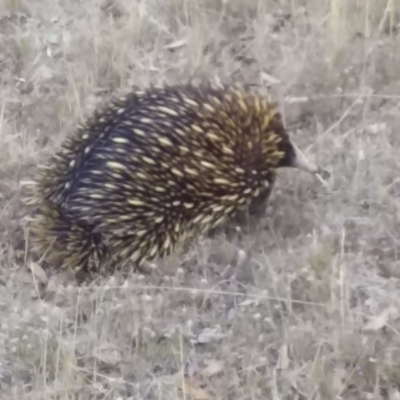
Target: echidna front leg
pixel 253 212
pixel 259 204
pixel 257 207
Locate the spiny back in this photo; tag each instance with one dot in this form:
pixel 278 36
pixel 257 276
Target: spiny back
pixel 156 166
pixel 204 118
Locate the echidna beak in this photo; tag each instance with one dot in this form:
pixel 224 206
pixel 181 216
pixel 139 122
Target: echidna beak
pixel 301 162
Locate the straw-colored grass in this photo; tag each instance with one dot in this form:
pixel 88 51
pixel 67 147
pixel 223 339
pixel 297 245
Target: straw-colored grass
pixel 302 305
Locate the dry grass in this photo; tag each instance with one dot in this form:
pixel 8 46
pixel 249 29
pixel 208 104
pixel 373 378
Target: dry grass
pixel 311 313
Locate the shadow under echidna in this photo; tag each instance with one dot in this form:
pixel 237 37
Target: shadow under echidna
pixel 154 168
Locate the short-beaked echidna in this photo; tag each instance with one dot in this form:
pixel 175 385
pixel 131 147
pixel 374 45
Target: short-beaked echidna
pixel 155 167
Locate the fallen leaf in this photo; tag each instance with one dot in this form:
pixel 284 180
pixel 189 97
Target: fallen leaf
pixel 241 257
pixel 381 320
pixel 108 354
pixel 283 361
pixel 248 302
pixel 38 272
pixel 176 44
pixel 267 78
pixel 214 367
pixel 45 73
pixel 209 335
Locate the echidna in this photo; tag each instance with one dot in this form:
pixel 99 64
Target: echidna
pixel 153 168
